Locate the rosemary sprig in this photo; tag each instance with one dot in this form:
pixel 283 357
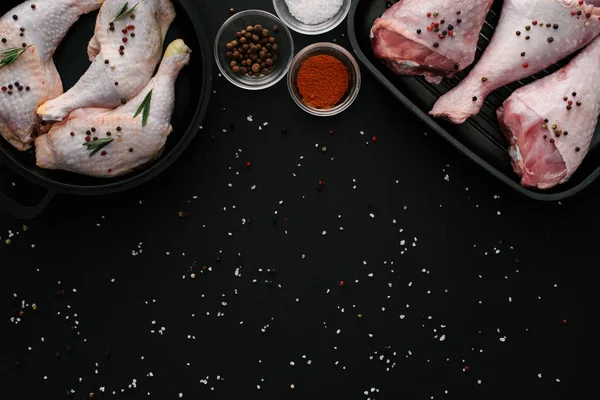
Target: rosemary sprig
pixel 124 12
pixel 10 55
pixel 145 106
pixel 96 145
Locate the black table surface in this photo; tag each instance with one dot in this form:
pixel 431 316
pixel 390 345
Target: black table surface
pixel 453 286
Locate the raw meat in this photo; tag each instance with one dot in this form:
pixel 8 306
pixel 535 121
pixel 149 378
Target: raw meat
pixel 123 59
pixel 555 28
pixel 69 144
pixel 407 40
pixel 32 78
pixel 550 123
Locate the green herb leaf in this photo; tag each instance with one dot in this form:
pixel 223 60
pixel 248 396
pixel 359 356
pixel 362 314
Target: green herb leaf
pixel 96 145
pixel 124 12
pixel 10 55
pixel 145 106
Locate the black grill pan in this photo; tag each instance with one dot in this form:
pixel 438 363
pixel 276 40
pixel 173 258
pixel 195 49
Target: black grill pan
pixel 480 137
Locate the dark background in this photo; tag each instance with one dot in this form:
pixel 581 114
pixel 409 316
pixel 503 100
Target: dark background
pixel 502 277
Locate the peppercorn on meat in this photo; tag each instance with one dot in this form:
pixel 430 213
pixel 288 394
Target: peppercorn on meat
pixel 550 123
pixel 531 35
pixel 125 50
pixel 29 35
pixel 433 38
pixel 107 143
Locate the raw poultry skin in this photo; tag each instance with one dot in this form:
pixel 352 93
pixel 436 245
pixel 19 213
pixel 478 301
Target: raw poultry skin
pixel 503 61
pixel 406 39
pixel 543 156
pixel 45 25
pixel 116 75
pixel 133 145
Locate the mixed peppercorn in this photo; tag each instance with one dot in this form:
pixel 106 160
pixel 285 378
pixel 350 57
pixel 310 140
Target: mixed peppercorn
pixel 438 28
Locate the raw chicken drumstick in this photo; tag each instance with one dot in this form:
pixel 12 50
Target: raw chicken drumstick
pixel 31 32
pixel 105 143
pixel 433 38
pixel 550 123
pixel 124 55
pixel 531 35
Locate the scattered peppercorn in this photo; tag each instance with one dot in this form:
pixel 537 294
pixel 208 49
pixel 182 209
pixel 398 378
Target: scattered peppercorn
pixel 555 26
pixel 4 40
pixel 550 39
pixel 578 104
pixel 474 98
pixel 484 79
pixel 436 44
pixel 15 17
pixel 577 149
pixel 574 94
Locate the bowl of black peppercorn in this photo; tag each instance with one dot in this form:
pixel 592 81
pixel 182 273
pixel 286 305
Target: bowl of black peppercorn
pixel 254 49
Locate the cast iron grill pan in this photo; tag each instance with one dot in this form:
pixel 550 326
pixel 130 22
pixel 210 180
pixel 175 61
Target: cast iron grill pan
pixel 480 137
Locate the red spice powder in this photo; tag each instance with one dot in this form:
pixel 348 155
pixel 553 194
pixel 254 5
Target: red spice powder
pixel 323 81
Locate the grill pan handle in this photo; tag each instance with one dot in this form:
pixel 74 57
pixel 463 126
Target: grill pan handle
pixel 24 212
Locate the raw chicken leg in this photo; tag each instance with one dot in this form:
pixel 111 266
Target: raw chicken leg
pixel 531 35
pixel 105 143
pixel 550 123
pixel 32 78
pixel 407 40
pixel 124 56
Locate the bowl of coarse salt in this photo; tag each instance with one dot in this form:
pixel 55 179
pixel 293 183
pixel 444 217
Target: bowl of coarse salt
pixel 312 17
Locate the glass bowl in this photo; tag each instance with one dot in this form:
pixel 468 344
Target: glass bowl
pixel 239 22
pixel 341 54
pixel 282 10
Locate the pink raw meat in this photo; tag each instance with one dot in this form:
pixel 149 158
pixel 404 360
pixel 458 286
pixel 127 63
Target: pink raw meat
pixel 531 35
pixel 406 39
pixel 543 156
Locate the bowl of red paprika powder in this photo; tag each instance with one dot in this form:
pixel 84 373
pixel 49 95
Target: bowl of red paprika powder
pixel 324 79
